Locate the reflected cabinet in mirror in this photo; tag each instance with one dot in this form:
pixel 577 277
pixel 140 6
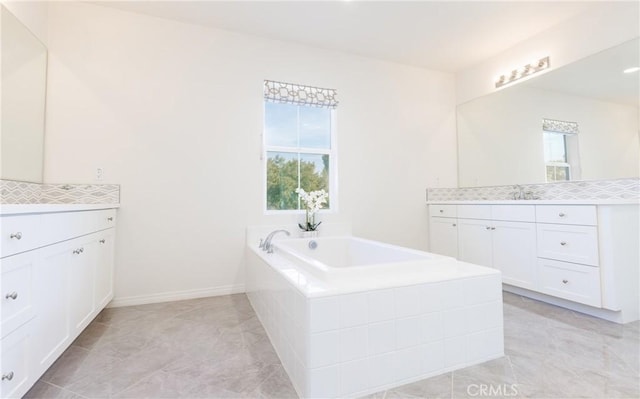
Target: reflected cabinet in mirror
pixel 23 85
pixel 579 122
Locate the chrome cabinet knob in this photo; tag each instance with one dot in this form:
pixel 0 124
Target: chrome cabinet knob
pixel 488 228
pixel 563 243
pixel 78 251
pixel 110 219
pixel 454 225
pixel 561 215
pixel 441 210
pixel 8 376
pixel 565 281
pixel 13 295
pixel 17 236
pixel 493 228
pixel 102 241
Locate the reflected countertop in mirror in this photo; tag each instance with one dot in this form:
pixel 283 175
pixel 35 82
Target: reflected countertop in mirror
pixel 501 140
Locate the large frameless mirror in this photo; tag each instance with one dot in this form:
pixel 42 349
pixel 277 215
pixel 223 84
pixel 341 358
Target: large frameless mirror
pixel 593 106
pixel 23 87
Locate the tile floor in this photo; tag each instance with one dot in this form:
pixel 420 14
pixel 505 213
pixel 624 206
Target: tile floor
pixel 216 348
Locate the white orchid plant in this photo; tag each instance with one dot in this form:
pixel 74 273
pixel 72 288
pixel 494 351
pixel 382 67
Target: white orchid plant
pixel 313 202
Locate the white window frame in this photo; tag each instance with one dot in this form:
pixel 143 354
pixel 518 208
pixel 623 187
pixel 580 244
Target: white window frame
pixel 333 166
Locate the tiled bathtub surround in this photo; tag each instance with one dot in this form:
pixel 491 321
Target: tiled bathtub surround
pixel 354 344
pixel 15 192
pixel 578 190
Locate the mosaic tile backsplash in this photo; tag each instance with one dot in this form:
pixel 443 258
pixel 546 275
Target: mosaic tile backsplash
pixel 16 192
pixel 578 190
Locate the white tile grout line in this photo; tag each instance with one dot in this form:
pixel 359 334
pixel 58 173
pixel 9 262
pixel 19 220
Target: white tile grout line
pixel 513 372
pixel 451 387
pixel 65 389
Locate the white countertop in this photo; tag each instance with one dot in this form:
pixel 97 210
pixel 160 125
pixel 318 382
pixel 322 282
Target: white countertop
pixel 630 201
pixel 17 209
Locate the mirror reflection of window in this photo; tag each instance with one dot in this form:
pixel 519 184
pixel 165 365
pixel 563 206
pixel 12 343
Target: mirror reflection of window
pixel 561 156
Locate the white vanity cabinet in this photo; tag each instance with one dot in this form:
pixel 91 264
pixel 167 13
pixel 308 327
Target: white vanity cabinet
pixel 443 226
pixel 502 237
pixel 51 288
pixel 580 254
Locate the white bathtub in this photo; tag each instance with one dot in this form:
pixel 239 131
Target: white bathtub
pixel 354 316
pixel 352 258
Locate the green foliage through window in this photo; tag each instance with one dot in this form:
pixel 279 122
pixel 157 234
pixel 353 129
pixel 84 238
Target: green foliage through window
pixel 285 173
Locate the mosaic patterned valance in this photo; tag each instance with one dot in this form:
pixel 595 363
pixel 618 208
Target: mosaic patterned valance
pixel 552 125
pixel 290 93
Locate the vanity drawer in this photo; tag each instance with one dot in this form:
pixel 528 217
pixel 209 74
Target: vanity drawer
pixel 445 211
pixel 16 302
pixel 474 212
pixel 576 283
pixel 577 244
pixel 15 372
pixel 66 225
pixel 514 213
pixel 567 214
pixel 19 233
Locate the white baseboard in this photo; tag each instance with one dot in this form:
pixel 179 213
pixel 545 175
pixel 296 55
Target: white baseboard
pixel 176 295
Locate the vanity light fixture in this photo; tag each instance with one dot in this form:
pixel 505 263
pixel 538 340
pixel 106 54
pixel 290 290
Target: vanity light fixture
pixel 527 70
pixel 631 70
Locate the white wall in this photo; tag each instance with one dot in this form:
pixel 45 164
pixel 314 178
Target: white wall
pixel 173 112
pixel 33 14
pixel 604 25
pixel 500 136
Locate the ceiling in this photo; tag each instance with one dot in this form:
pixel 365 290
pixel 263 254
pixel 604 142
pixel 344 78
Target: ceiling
pixel 442 35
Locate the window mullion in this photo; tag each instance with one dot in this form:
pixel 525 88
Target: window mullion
pixel 290 150
pixel 306 150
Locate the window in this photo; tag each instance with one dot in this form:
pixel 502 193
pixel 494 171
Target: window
pixel 555 157
pixel 299 148
pixel 561 155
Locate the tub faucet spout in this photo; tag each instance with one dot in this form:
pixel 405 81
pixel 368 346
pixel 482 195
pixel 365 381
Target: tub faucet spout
pixel 266 244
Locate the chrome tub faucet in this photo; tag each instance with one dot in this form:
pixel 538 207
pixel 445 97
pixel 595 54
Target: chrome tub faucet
pixel 266 245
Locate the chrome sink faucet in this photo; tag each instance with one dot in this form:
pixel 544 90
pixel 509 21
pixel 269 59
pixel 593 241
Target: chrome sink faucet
pixel 266 245
pixel 519 193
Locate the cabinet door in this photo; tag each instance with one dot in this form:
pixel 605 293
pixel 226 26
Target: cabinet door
pixel 82 269
pixel 104 268
pixel 51 301
pixel 443 236
pixel 17 375
pixel 16 302
pixel 474 242
pixel 514 252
